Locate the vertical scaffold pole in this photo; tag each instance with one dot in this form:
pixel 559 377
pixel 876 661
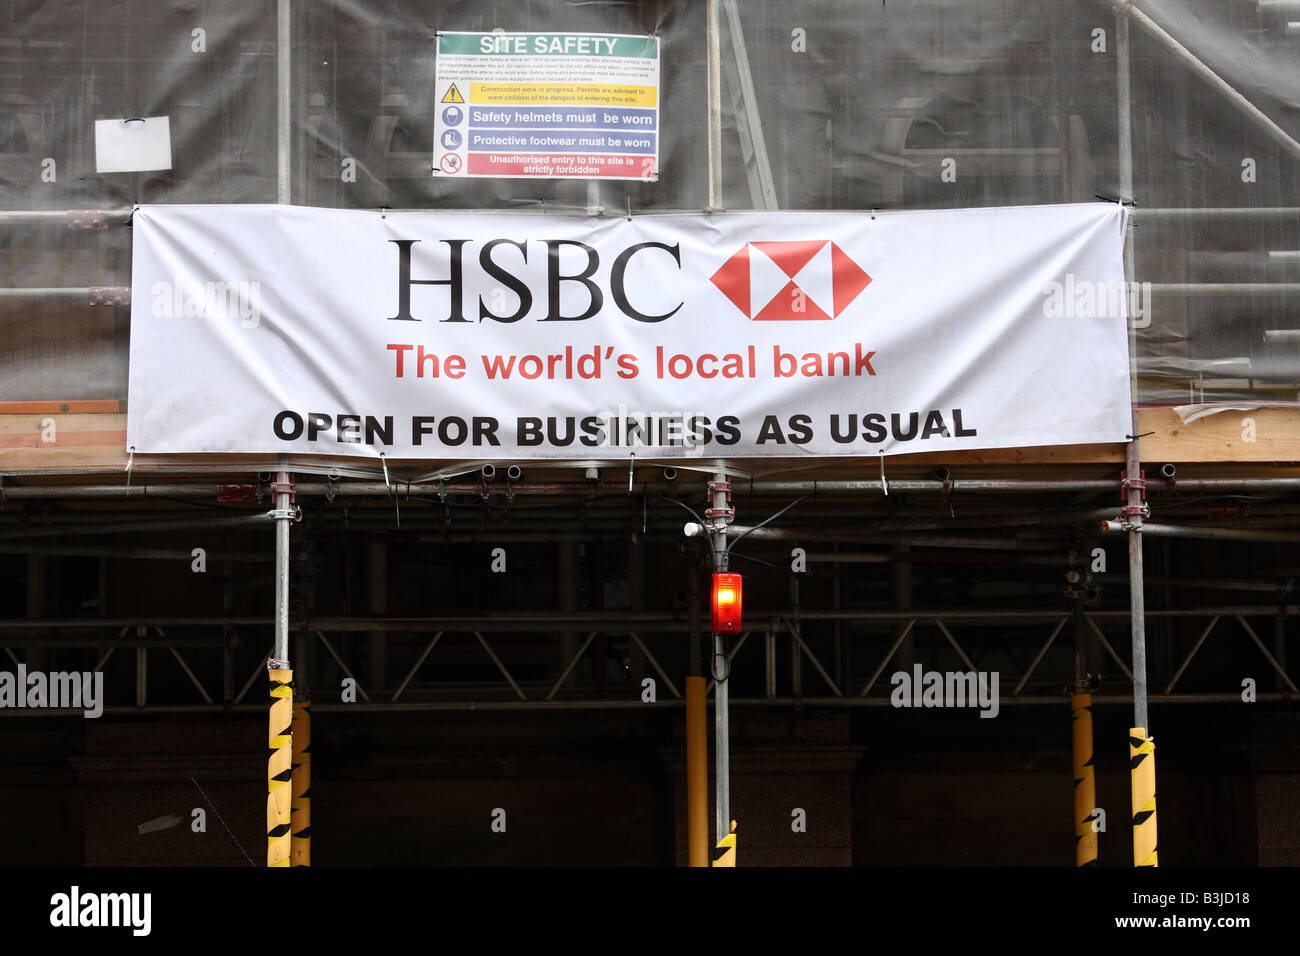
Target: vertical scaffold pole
pixel 1134 505
pixel 718 516
pixel 283 100
pixel 697 738
pixel 279 768
pixel 719 487
pixel 697 772
pixel 279 771
pixel 1134 508
pixel 1142 769
pixel 300 815
pixel 1085 784
pixel 714 55
pixel 724 854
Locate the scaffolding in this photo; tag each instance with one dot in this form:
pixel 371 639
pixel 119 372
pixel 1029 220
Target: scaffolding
pixel 999 527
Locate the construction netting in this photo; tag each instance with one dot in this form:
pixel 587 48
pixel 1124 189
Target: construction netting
pixel 826 104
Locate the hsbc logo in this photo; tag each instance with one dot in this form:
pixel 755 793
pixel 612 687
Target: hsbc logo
pixel 804 280
pixel 801 281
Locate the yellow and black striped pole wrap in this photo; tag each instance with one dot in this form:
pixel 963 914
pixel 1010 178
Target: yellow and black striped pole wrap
pixel 279 769
pixel 1142 770
pixel 300 818
pixel 724 854
pixel 1085 784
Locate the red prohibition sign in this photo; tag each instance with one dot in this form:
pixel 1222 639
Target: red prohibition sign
pixel 450 163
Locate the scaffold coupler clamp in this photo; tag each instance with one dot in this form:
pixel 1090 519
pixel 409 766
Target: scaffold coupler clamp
pixel 293 514
pixel 109 295
pixel 1132 516
pixel 1086 686
pixel 285 488
pixel 442 499
pixel 717 519
pixel 273 664
pixel 87 219
pixel 1075 585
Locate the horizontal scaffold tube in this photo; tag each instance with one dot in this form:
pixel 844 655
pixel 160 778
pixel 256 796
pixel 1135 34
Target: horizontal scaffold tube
pixel 72 218
pixel 498 487
pixel 989 542
pixel 1199 584
pixel 1219 212
pixel 1224 288
pixel 28 532
pixel 150 554
pixel 1188 531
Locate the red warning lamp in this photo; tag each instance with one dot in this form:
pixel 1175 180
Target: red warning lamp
pixel 726 603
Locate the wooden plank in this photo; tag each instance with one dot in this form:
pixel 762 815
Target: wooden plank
pixel 81 442
pixel 105 424
pixel 1264 434
pixel 1039 455
pixel 63 439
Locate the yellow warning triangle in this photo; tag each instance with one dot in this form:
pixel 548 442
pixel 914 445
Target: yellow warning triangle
pixel 452 95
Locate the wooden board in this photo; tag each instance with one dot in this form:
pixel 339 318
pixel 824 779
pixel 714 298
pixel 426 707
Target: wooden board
pixel 56 441
pixel 1263 435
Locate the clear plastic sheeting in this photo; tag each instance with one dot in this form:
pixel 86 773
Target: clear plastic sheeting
pixel 834 104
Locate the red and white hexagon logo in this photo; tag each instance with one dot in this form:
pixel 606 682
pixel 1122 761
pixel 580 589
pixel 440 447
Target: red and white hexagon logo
pixel 791 281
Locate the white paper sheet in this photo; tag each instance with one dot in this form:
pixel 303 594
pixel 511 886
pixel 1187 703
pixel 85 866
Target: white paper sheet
pixel 133 145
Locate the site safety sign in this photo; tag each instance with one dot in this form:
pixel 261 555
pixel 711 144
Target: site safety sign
pixel 550 105
pixel 286 329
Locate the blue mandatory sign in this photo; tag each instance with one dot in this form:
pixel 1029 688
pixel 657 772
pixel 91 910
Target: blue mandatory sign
pixel 453 115
pixel 451 139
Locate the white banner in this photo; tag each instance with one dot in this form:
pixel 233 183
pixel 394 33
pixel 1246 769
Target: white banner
pixel 277 329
